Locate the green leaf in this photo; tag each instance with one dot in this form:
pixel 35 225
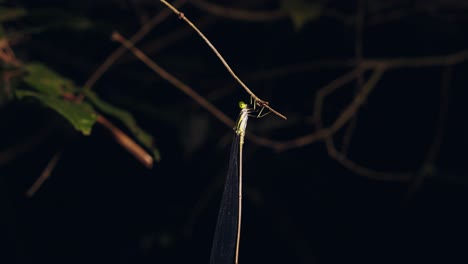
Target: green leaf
pixel 127 119
pixel 80 115
pixel 301 11
pixel 47 81
pixel 9 14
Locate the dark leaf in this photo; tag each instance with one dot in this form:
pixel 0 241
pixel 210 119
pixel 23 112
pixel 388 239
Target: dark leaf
pixel 80 115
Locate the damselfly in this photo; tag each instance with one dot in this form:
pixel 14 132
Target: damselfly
pixel 225 249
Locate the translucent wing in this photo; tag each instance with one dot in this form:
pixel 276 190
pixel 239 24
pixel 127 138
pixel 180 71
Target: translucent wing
pixel 224 241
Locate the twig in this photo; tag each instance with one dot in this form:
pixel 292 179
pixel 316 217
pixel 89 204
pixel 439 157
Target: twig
pixel 328 89
pixel 441 118
pixel 152 47
pixel 346 116
pixel 7 54
pixel 277 145
pixel 258 101
pixel 364 171
pixel 25 145
pixel 44 175
pixel 123 139
pixel 304 140
pixel 173 80
pixel 360 98
pixel 129 144
pixel 358 50
pixel 348 134
pixel 7 76
pixel 439 131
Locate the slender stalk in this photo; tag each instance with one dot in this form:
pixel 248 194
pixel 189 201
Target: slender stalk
pixel 257 100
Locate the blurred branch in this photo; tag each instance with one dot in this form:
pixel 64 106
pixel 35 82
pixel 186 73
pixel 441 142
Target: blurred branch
pixel 357 102
pixel 114 56
pixel 442 115
pixel 154 46
pixel 121 137
pixel 129 144
pixel 439 131
pixel 362 170
pixel 44 175
pixel 345 116
pixel 360 65
pixel 26 145
pixel 174 81
pixel 327 89
pixel 358 50
pixel 6 53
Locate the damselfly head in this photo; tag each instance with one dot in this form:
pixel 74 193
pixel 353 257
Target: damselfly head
pixel 242 105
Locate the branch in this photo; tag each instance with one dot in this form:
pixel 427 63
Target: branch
pixel 358 50
pixel 360 98
pixel 154 46
pixel 25 145
pixel 7 55
pixel 364 171
pixel 277 145
pixel 344 117
pixel 129 144
pixel 257 100
pixel 321 133
pixel 434 148
pixel 44 175
pixel 173 80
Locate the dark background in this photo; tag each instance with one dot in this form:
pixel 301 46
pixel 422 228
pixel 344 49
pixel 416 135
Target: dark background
pixel 300 205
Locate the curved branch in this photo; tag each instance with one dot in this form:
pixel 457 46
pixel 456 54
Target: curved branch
pixel 45 174
pixel 344 117
pixel 257 100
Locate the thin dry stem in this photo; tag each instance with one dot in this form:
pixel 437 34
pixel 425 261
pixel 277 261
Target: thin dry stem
pixel 258 101
pixel 154 46
pixel 45 174
pixel 27 144
pixel 439 131
pixel 173 80
pixel 365 171
pixel 359 53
